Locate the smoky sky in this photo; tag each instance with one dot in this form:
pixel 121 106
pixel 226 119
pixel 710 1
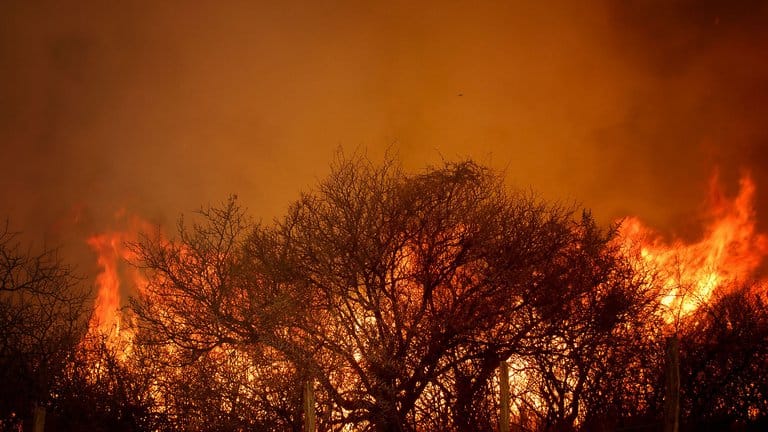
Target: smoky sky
pixel 626 107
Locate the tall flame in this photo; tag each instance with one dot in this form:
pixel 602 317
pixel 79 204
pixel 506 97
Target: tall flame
pixel 116 276
pixel 730 250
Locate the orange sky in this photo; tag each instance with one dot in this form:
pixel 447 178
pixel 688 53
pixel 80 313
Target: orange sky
pixel 624 106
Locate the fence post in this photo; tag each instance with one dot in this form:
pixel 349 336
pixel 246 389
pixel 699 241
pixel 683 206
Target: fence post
pixel 309 407
pixel 38 421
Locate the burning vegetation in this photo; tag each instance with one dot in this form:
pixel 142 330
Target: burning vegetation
pixel 730 251
pixel 391 301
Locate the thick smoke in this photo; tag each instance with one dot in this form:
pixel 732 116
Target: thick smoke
pixel 626 107
pixel 700 106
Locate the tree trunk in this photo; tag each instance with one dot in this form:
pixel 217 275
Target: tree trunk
pixel 672 397
pixel 463 419
pixel 389 424
pixel 504 397
pixel 386 418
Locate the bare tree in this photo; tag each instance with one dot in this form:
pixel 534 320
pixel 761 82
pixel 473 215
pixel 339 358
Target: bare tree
pixel 390 291
pixel 593 339
pixel 409 276
pixel 101 389
pixel 213 328
pixel 724 361
pixel 44 312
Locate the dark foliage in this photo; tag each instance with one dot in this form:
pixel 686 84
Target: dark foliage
pixel 394 296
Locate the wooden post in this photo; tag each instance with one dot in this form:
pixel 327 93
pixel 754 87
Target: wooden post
pixel 672 396
pixel 38 420
pixel 309 407
pixel 504 397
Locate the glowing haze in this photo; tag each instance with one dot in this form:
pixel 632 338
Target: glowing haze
pixel 624 106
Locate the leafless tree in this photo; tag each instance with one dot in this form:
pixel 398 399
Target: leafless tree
pixel 593 340
pixel 375 285
pixel 396 296
pixel 213 328
pixel 724 361
pixel 44 312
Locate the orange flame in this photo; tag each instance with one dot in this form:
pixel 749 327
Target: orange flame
pixel 113 256
pixel 731 250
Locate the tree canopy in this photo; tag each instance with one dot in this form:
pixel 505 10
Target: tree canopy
pixel 382 300
pixel 391 290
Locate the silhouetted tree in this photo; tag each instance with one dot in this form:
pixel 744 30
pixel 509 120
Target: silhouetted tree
pixel 593 340
pixel 576 289
pixel 399 295
pixel 104 389
pixel 408 276
pixel 393 297
pixel 724 362
pixel 213 327
pixel 43 315
pixel 385 288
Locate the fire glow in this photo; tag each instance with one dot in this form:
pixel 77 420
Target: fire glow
pixel 688 274
pixel 730 251
pixel 117 275
pixel 685 275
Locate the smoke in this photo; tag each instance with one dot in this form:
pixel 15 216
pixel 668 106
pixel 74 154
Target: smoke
pixel 700 104
pixel 626 107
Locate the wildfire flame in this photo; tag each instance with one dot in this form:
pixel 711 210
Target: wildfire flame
pixel 116 276
pixel 687 273
pixel 731 250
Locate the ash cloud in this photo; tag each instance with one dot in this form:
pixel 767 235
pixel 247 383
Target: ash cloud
pixel 626 107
